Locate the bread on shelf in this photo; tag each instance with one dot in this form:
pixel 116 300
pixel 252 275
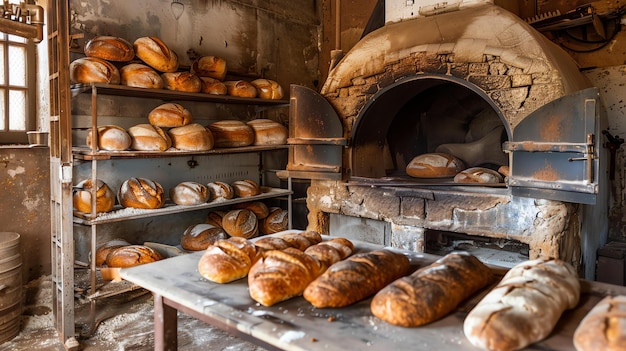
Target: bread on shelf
pixel 93 70
pixel 132 255
pixel 110 48
pixel 276 221
pixel 170 115
pixel 102 251
pixel 156 54
pixel 245 188
pixel 81 197
pixel 268 132
pixel 434 165
pixel 191 137
pixel 213 86
pixel 146 137
pixel 231 133
pixel 210 66
pixel 241 88
pixel 111 138
pixel 268 89
pixel 138 75
pixel 198 237
pixel 141 193
pixel 241 223
pixel 221 190
pixel 189 193
pixel 182 81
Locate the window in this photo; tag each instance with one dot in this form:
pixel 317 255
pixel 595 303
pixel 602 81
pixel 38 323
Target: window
pixel 17 88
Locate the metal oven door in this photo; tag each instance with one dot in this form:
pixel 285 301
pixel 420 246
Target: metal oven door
pixel 554 152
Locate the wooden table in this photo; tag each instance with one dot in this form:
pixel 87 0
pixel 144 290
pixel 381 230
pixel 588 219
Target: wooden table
pixel 296 325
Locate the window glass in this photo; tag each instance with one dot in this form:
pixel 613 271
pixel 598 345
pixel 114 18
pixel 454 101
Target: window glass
pixel 17 110
pixel 2 76
pixel 17 64
pixel 2 112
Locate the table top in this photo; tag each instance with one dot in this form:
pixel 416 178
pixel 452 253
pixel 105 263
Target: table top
pixel 296 325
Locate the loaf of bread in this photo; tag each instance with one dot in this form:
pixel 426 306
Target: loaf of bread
pixel 111 138
pixel 227 260
pixel 105 197
pixel 434 165
pixel 281 274
pixel 432 292
pixel 192 137
pixel 604 327
pixel 140 76
pixel 241 223
pixel 189 193
pixel 141 193
pixel 221 190
pixel 331 251
pixel 156 54
pixel 102 251
pixel 268 132
pixel 110 48
pixel 524 307
pixel 198 237
pixel 182 81
pixel 170 115
pixel 231 133
pixel 302 240
pixel 259 209
pixel 276 221
pixel 146 137
pixel 93 70
pixel 209 66
pixel 271 243
pixel 356 278
pixel 504 170
pixel 214 218
pixel 246 188
pixel 132 255
pixel 268 89
pixel 478 175
pixel 240 88
pixel 213 86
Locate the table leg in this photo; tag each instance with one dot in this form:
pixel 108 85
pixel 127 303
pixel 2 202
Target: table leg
pixel 165 326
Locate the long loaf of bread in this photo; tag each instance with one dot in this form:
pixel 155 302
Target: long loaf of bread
pixel 524 307
pixel 283 274
pixel 356 278
pixel 227 260
pixel 432 292
pixel 604 327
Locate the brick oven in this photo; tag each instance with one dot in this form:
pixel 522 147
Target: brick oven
pixel 480 83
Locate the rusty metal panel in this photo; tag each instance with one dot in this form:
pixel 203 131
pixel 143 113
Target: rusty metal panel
pixel 315 136
pixel 555 150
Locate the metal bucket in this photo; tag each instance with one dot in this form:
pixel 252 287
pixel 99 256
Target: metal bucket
pixel 10 286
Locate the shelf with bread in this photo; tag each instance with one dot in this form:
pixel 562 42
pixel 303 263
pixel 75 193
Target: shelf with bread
pixel 169 95
pixel 86 154
pixel 120 213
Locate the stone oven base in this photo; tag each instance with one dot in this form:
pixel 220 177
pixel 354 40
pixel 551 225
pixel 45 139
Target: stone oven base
pixel 405 215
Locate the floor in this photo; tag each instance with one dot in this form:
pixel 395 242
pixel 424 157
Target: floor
pixel 125 323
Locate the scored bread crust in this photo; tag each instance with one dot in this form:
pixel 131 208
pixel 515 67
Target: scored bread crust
pixel 431 292
pixel 141 193
pixel 132 255
pixel 356 278
pixel 227 260
pixel 241 222
pixel 198 237
pixel 140 76
pixel 110 48
pixel 156 54
pixel 105 197
pixel 603 328
pixel 281 274
pixel 146 137
pixel 169 115
pixel 524 307
pixel 93 70
pixel 434 165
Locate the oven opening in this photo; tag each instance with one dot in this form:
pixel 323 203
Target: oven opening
pixel 416 116
pixel 497 251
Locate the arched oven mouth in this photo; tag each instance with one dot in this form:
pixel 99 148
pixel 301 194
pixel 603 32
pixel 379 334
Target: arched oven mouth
pixel 426 114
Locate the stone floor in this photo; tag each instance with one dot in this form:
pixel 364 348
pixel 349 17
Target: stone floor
pixel 124 323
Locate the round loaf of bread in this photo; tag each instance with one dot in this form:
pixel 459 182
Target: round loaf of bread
pixel 268 132
pixel 140 76
pixel 209 66
pixel 93 70
pixel 302 240
pixel 111 138
pixel 271 243
pixel 199 236
pixel 192 137
pixel 156 54
pixel 132 255
pixel 259 209
pixel 276 221
pixel 189 193
pixel 102 251
pixel 105 197
pixel 246 188
pixel 241 223
pixel 478 175
pixel 182 81
pixel 214 218
pixel 241 88
pixel 169 115
pixel 110 48
pixel 434 165
pixel 221 190
pixel 141 193
pixel 227 260
pixel 213 86
pixel 268 89
pixel 147 137
pixel 231 133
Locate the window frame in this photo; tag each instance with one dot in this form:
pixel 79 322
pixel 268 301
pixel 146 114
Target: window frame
pixel 19 136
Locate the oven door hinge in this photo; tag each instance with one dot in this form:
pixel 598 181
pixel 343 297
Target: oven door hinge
pixel 588 156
